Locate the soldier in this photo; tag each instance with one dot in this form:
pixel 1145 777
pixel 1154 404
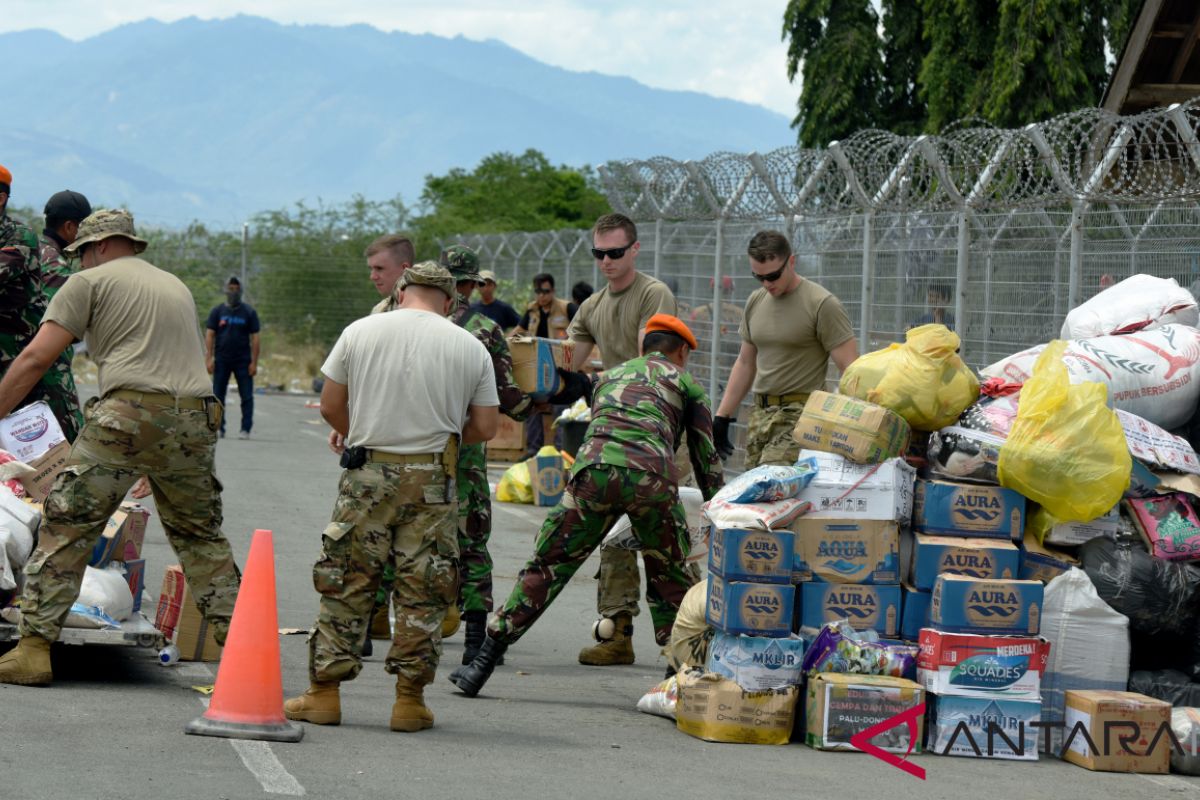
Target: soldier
pixel 613 319
pixel 155 416
pixel 387 258
pixel 400 388
pixel 790 330
pixel 64 211
pixel 474 494
pixel 640 412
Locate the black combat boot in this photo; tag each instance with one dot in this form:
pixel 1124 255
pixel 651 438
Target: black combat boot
pixel 471 678
pixel 475 634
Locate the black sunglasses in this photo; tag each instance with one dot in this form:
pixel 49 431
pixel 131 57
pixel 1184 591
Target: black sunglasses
pixel 770 276
pixel 613 252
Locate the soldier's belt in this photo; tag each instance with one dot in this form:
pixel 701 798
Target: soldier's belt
pixel 381 457
pixel 163 400
pixel 764 400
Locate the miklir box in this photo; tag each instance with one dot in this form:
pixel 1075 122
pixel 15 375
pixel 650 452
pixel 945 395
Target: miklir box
pixel 999 726
pixel 842 489
pixel 962 509
pixel 953 555
pixel 761 556
pixel 846 550
pixel 1110 731
pixel 762 609
pixel 973 605
pixel 757 662
pixel 974 665
pixel 866 606
pixel 862 432
pixel 839 706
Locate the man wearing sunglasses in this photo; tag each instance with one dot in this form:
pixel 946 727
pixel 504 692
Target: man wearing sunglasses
pixel 790 330
pixel 614 319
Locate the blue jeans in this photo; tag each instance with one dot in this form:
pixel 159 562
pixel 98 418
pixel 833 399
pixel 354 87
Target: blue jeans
pixel 221 372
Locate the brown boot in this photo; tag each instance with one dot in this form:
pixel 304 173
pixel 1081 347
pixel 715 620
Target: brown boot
pixel 409 713
pixel 617 650
pixel 452 621
pixel 320 705
pixel 381 626
pixel 28 664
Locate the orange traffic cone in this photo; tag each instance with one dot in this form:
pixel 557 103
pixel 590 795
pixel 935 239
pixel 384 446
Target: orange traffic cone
pixel 247 702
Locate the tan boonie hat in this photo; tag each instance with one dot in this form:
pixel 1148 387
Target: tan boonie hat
pixel 486 275
pixel 428 273
pixel 103 224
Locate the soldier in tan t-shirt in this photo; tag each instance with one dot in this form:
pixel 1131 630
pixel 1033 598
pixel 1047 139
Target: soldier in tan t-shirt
pixel 791 329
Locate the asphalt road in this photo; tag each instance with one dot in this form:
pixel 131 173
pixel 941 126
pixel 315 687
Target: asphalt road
pixel 112 724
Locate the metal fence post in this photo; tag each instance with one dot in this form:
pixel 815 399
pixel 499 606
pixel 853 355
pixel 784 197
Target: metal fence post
pixel 868 280
pixel 1075 275
pixel 657 246
pixel 715 346
pixel 961 277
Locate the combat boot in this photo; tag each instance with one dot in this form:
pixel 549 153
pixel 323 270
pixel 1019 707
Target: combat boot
pixel 409 714
pixel 473 638
pixel 381 626
pixel 320 705
pixel 617 650
pixel 471 678
pixel 452 621
pixel 27 664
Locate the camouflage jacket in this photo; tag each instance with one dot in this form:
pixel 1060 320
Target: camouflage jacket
pixel 21 304
pixel 641 410
pixel 513 401
pixel 55 269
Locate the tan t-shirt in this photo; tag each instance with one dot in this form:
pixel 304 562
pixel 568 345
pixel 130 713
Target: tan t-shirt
pixel 794 335
pixel 141 326
pixel 411 375
pixel 613 320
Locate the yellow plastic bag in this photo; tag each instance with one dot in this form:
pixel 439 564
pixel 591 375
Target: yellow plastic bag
pixel 923 380
pixel 1067 449
pixel 516 485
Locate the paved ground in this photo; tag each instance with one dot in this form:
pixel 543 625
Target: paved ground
pixel 112 725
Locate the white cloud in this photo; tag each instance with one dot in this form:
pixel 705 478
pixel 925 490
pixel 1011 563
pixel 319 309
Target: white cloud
pixel 720 48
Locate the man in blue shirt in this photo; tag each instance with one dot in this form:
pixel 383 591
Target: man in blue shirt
pixel 496 310
pixel 231 342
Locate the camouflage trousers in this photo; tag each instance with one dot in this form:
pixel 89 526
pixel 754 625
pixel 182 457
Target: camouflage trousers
pixel 397 514
pixel 594 499
pixel 618 582
pixel 474 529
pixel 121 441
pixel 769 435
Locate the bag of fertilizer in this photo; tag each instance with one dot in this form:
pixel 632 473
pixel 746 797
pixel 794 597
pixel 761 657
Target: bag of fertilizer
pixel 1138 303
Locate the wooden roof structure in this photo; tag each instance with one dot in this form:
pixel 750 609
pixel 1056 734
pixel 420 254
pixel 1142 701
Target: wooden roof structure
pixel 1160 63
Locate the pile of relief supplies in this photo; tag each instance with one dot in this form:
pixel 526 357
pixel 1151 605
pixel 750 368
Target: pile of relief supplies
pixel 1020 556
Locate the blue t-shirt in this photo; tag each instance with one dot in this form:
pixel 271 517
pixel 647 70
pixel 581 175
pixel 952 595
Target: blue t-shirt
pixel 233 326
pixel 498 312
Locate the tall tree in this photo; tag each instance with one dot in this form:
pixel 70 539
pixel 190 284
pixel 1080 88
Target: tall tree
pixel 1119 22
pixel 834 46
pixel 903 51
pixel 955 74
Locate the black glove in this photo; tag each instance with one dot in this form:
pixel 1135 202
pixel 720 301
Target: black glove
pixel 721 436
pixel 572 386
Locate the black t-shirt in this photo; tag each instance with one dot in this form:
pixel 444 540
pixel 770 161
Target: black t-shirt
pixel 233 326
pixel 543 329
pixel 498 312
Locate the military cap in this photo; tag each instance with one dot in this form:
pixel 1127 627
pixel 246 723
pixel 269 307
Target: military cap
pixel 487 276
pixel 670 324
pixel 428 273
pixel 68 205
pixel 462 262
pixel 103 224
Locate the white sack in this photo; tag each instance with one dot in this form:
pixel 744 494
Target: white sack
pixel 1142 302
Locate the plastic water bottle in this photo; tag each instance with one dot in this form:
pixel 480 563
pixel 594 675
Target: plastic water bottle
pixel 168 655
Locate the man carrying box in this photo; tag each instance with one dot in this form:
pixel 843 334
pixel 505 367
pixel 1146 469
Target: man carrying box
pixel 156 416
pixel 641 410
pixel 791 329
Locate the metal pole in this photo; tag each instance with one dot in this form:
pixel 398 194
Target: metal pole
pixel 961 278
pixel 716 313
pixel 868 280
pixel 245 247
pixel 1075 279
pixel 657 246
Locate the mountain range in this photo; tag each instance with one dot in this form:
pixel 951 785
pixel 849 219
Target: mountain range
pixel 214 120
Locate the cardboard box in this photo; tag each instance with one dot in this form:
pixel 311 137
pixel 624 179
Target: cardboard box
pixel 962 509
pixel 762 609
pixel 510 435
pixel 1168 524
pixel 535 361
pixel 122 537
pixel 757 662
pixel 916 613
pixel 846 550
pixel 951 555
pixel 839 706
pixel 971 665
pixel 549 478
pixel 1043 564
pixel 134 533
pixel 46 468
pixel 867 607
pixel 842 489
pixel 973 605
pixel 179 618
pixel 994 726
pixel 1110 720
pixel 714 708
pixel 862 432
pixel 751 555
pixel 30 432
pixel 1071 534
pixel 135 575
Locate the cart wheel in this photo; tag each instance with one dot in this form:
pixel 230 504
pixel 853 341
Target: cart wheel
pixel 168 655
pixel 145 640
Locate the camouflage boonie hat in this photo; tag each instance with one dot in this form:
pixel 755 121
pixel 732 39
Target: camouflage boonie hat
pixel 427 273
pixel 462 262
pixel 103 224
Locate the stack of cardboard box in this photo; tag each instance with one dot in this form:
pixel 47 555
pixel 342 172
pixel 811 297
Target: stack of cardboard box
pixel 180 620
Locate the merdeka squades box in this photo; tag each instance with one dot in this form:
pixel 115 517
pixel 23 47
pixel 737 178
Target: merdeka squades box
pixel 973 605
pixel 760 609
pixel 952 555
pixel 845 550
pixel 972 665
pixel 960 509
pixel 866 606
pixel 759 556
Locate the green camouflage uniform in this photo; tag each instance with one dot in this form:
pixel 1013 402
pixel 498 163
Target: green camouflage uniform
pixel 474 494
pixel 122 440
pixel 769 435
pixel 640 411
pixel 58 384
pixel 386 514
pixel 21 303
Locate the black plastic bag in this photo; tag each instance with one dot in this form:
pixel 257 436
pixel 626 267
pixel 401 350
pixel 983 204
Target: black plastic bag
pixel 1166 684
pixel 1161 598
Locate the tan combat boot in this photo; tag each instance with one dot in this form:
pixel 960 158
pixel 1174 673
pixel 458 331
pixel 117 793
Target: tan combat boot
pixel 409 713
pixel 452 621
pixel 28 664
pixel 617 650
pixel 381 626
pixel 320 705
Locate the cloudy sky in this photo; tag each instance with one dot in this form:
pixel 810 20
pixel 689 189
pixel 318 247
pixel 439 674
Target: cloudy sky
pixel 728 49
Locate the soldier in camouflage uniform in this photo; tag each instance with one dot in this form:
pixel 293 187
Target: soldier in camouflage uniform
pixel 474 494
pixel 156 416
pixel 400 388
pixel 640 411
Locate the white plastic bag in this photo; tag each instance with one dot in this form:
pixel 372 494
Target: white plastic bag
pixel 661 699
pixel 765 516
pixel 106 590
pixel 18 524
pixel 1141 302
pixel 1185 723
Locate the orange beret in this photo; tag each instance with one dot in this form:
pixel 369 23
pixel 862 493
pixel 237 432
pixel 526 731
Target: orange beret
pixel 5 175
pixel 665 322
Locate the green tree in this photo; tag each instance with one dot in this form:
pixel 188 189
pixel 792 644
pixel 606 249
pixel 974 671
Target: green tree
pixel 901 108
pixel 955 73
pixel 834 46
